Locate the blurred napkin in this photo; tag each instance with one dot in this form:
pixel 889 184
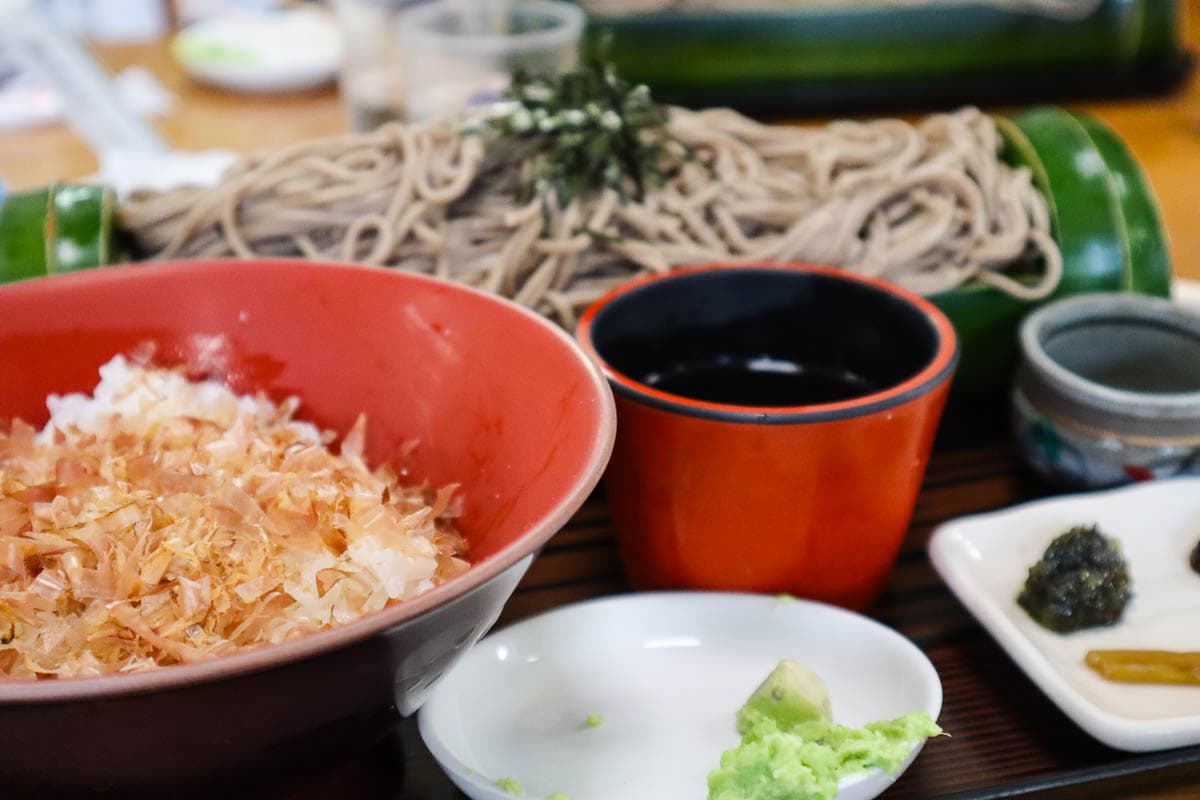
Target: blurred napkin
pixel 128 170
pixel 28 101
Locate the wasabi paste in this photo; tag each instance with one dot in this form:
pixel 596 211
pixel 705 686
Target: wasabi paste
pixel 792 750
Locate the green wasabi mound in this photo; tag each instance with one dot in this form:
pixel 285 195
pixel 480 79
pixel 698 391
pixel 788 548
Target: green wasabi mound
pixel 790 751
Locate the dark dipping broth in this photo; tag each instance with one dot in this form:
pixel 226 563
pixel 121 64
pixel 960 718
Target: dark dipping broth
pixel 764 337
pixel 762 381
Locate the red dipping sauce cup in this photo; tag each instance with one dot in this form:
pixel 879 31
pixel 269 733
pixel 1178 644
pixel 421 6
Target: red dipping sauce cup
pixel 774 425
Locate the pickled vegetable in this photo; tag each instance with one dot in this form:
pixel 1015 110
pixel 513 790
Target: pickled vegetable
pixel 1080 582
pixel 1146 666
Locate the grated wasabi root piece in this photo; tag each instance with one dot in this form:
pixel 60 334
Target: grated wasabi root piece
pixel 791 694
pixel 594 720
pixel 790 750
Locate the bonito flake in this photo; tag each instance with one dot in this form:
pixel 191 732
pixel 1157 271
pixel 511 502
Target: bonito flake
pixel 161 521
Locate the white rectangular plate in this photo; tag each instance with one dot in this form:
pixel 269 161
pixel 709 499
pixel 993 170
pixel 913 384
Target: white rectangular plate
pixel 984 559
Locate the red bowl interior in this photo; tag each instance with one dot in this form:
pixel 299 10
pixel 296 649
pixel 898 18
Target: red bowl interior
pixel 494 397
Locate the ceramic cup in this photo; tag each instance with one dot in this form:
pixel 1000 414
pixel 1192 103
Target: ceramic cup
pixel 1109 390
pixel 774 424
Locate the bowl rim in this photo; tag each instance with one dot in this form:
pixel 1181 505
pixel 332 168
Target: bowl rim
pixel 569 20
pixel 179 676
pixel 1095 308
pixel 937 370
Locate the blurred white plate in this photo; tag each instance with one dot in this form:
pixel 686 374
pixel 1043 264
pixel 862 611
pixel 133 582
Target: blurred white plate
pixel 984 559
pixel 668 673
pixel 285 51
pixel 1186 292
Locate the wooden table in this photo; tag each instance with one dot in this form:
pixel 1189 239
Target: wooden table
pixel 1008 740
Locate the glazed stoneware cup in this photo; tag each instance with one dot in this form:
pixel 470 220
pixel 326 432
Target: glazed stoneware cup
pixel 774 424
pixel 1108 391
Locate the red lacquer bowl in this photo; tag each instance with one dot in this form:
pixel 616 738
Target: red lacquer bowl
pixel 498 399
pixel 809 499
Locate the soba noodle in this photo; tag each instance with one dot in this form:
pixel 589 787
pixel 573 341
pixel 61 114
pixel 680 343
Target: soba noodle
pixel 929 206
